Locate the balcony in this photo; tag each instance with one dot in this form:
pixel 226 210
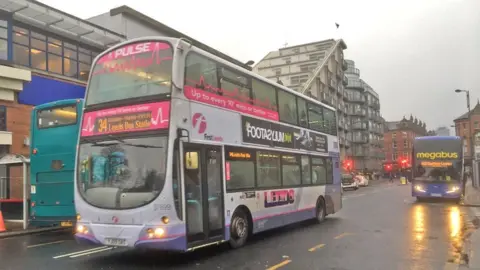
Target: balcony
pixel 339 73
pixel 352 70
pixel 359 126
pixel 356 83
pixel 359 139
pixel 344 65
pixel 357 98
pixel 360 153
pixel 358 113
pixel 345 81
pixel 332 83
pixel 378 119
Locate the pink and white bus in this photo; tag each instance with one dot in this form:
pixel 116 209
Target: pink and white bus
pixel 180 149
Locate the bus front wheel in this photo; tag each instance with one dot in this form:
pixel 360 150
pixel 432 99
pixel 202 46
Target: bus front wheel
pixel 239 229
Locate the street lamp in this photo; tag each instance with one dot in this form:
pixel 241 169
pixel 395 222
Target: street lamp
pixel 469 127
pixel 25 190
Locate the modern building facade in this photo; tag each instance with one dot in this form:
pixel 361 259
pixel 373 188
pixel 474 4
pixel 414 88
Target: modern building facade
pixel 317 70
pixel 366 122
pixel 462 129
pixel 45 55
pixel 442 131
pixel 399 136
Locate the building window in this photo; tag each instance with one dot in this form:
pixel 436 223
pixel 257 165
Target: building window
pixel 3 118
pixel 287 60
pixel 3 39
pixel 43 52
pixel 405 143
pixel 394 135
pixel 395 156
pixel 394 144
pixel 475 125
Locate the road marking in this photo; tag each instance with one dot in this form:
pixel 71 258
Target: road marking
pixel 342 235
pixel 81 252
pixel 451 266
pixel 45 244
pixel 276 266
pixel 91 252
pixel 316 247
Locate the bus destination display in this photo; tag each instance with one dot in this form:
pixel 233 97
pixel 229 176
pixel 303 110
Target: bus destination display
pixel 126 119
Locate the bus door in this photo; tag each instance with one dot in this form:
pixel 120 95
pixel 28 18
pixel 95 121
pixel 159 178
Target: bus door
pixel 203 176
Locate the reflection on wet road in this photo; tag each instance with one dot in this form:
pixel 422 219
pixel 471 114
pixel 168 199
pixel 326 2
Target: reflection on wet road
pixel 380 227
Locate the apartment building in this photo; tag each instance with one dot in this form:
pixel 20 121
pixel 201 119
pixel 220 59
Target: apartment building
pixel 315 69
pixel 363 106
pixel 399 136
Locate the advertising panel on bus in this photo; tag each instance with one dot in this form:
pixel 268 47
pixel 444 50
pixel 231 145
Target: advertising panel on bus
pixel 212 124
pixel 256 131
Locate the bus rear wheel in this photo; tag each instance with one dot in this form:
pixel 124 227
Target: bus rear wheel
pixel 239 229
pixel 321 213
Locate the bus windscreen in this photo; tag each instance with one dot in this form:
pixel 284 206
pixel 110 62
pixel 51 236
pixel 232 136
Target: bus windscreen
pixel 132 71
pixel 438 160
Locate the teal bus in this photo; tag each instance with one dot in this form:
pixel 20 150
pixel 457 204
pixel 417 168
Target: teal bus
pixel 54 134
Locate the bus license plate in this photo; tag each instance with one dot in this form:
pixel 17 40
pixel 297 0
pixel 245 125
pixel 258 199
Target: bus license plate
pixel 115 241
pixel 66 224
pixel 436 195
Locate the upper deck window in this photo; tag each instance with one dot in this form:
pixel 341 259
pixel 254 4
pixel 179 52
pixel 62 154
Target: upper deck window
pixel 134 70
pixel 58 116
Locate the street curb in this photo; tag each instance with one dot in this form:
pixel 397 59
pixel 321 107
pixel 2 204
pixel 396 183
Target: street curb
pixel 33 231
pixel 472 243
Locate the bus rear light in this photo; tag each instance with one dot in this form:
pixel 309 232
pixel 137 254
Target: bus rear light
pixel 33 204
pixel 79 217
pixel 34 151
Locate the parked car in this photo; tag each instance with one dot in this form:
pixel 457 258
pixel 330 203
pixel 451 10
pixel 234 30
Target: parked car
pixel 348 182
pixel 362 180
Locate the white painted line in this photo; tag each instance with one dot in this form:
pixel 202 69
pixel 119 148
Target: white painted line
pixel 46 244
pixel 80 252
pixel 91 252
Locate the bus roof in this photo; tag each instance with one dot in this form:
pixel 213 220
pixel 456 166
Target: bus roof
pixel 58 103
pixel 438 138
pixel 175 41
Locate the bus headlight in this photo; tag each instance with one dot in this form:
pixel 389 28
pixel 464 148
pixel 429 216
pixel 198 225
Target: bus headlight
pixel 453 189
pixel 419 188
pixel 156 233
pixel 82 229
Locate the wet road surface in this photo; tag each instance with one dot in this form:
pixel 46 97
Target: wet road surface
pixel 380 227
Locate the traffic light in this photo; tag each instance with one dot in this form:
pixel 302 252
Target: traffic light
pixel 347 165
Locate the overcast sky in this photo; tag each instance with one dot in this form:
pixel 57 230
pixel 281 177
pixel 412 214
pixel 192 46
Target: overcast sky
pixel 414 53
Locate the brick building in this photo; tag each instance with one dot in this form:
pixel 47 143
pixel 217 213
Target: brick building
pixel 399 135
pixel 462 128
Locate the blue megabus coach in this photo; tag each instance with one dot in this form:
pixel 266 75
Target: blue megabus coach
pixel 437 167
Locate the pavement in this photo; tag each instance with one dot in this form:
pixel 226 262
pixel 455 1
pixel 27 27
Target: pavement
pixel 380 227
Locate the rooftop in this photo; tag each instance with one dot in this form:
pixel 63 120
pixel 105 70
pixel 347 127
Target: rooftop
pixel 475 111
pixel 53 20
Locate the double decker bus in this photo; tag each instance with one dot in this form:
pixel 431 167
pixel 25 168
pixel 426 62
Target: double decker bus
pixel 438 167
pixel 180 149
pixel 53 143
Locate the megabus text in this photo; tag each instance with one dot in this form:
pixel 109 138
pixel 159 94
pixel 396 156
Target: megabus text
pixel 437 155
